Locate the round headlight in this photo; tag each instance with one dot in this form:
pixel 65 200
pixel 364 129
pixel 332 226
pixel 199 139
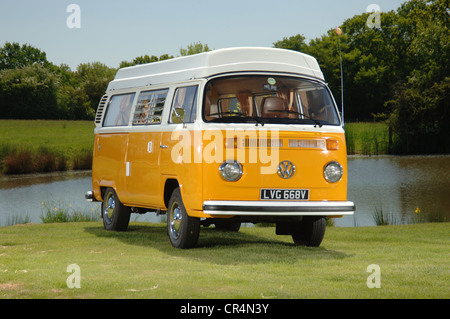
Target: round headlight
pixel 231 171
pixel 333 172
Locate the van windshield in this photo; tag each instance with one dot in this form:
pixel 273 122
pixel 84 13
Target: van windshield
pixel 268 99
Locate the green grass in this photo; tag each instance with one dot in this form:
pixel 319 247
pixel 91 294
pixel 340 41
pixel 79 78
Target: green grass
pixel 66 137
pixel 254 263
pixel 23 141
pixel 367 138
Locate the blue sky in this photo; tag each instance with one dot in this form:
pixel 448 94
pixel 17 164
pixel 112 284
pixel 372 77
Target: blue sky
pixel 114 31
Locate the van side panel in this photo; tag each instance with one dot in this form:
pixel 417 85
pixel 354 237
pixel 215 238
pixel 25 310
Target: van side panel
pixel 143 180
pixel 181 160
pixel 108 166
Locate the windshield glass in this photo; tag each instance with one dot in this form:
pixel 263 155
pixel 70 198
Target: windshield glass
pixel 268 99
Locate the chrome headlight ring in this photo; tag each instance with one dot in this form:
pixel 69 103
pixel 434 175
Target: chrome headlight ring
pixel 333 172
pixel 231 171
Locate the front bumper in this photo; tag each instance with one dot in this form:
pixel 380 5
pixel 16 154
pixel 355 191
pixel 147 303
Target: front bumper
pixel 89 196
pixel 287 208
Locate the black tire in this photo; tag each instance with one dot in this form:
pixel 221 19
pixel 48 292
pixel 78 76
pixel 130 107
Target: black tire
pixel 115 215
pixel 310 231
pixel 182 229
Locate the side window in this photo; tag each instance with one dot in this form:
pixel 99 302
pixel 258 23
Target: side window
pixel 184 107
pixel 118 111
pixel 149 107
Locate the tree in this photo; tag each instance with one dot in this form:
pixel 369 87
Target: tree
pixel 29 92
pixel 12 56
pixel 74 103
pixel 93 79
pixel 194 48
pixel 326 50
pixel 295 43
pixel 399 72
pixel 419 109
pixel 145 59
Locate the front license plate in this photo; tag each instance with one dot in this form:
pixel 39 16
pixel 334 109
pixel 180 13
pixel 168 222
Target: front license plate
pixel 284 194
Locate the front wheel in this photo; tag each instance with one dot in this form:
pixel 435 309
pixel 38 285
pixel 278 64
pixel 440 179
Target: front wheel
pixel 115 215
pixel 310 231
pixel 182 229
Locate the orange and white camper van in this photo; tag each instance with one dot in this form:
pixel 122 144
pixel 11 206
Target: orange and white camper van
pixel 239 135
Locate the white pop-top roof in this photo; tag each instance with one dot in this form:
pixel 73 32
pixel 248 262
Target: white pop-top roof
pixel 210 63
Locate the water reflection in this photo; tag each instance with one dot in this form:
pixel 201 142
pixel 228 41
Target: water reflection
pixel 397 185
pixel 22 196
pixel 19 181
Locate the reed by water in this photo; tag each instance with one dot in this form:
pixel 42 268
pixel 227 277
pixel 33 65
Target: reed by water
pixel 38 146
pixel 368 138
pixel 15 160
pixel 57 211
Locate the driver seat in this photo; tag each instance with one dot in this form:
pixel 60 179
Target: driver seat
pixel 273 106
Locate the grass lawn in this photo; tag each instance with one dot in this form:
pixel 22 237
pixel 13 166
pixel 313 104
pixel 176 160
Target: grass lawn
pixel 36 146
pixel 254 263
pixel 62 137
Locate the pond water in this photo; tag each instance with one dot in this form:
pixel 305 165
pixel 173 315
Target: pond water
pixel 29 196
pixel 397 186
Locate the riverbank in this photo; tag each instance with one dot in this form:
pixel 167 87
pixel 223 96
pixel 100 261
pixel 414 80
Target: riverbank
pixel 254 263
pixel 40 146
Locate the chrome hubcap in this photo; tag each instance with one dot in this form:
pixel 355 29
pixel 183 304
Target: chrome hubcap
pixel 109 208
pixel 175 221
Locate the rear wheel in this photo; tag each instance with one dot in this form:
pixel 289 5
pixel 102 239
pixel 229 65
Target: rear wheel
pixel 310 231
pixel 115 215
pixel 182 229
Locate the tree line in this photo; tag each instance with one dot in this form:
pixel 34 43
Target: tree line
pixel 31 87
pixel 397 72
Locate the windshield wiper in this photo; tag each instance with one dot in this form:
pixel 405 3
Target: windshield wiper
pixel 227 113
pixel 240 115
pixel 310 118
pixel 256 119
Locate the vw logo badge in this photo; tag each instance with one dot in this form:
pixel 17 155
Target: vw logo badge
pixel 286 169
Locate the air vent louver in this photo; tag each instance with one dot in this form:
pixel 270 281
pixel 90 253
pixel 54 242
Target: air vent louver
pixel 100 109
